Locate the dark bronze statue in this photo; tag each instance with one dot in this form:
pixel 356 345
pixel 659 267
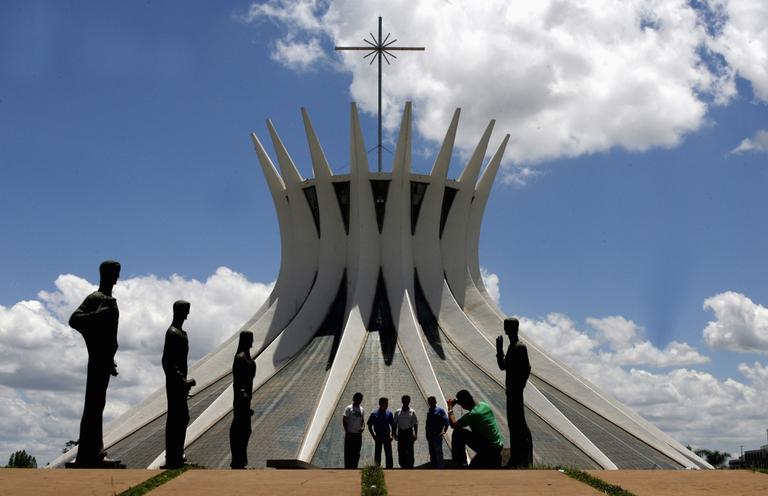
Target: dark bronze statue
pixel 518 368
pixel 177 386
pixel 243 371
pixel 96 319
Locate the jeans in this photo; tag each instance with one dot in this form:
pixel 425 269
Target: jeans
pixel 435 443
pixel 488 454
pixel 386 442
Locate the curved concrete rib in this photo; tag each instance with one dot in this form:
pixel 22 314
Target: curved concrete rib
pixel 304 239
pixel 426 239
pixel 476 211
pixel 454 242
pixel 289 282
pixel 347 355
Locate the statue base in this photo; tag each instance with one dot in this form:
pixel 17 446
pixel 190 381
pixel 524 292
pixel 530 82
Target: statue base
pixel 99 465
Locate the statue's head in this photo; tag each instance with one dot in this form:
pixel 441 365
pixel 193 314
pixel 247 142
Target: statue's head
pixel 180 310
pixel 109 272
pixel 465 399
pixel 246 341
pixel 511 327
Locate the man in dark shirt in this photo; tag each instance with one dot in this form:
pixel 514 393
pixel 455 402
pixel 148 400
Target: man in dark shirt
pixel 177 386
pixel 381 425
pixel 436 426
pixel 518 368
pixel 96 319
pixel 243 371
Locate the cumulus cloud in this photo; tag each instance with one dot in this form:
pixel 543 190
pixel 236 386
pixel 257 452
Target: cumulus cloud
pixel 491 283
pixel 610 341
pixel 758 143
pixel 43 360
pixel 693 406
pixel 742 39
pixel 740 325
pixel 299 55
pixel 564 78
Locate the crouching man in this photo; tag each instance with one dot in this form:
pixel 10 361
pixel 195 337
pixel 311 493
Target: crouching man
pixel 476 429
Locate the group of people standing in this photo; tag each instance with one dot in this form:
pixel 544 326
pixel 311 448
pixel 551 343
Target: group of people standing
pixel 477 429
pixel 384 427
pixel 97 320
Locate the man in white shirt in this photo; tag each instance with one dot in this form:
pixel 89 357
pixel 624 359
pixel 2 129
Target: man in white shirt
pixel 406 426
pixel 354 425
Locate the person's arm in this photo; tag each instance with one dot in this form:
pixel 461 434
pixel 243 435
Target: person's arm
pixel 394 426
pixel 500 352
pixel 345 421
pixel 446 422
pixel 370 426
pixel 415 423
pixel 452 420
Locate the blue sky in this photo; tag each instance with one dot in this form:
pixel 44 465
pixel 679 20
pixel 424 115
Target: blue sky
pixel 124 134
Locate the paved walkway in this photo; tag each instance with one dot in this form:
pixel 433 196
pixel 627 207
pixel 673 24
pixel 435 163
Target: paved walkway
pixel 484 482
pixel 687 483
pixel 262 483
pixel 40 482
pixel 82 482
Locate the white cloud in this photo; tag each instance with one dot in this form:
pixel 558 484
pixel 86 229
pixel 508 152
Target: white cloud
pixel 694 407
pixel 42 360
pixel 758 143
pixel 743 40
pixel 740 325
pixel 612 341
pixel 618 331
pixel 299 55
pixel 520 176
pixel 491 283
pixel 563 78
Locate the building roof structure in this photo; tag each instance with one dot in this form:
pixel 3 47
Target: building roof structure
pixel 379 291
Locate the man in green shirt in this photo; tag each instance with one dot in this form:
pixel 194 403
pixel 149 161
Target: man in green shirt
pixel 483 435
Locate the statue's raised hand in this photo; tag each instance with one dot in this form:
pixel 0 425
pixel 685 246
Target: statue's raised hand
pixel 500 345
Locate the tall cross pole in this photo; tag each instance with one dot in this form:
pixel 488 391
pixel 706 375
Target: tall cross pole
pixel 379 48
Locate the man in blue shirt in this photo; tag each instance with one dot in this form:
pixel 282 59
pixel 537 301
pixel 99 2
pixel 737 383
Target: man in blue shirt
pixel 381 425
pixel 437 425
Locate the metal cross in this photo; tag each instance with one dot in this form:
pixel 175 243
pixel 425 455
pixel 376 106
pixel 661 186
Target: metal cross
pixel 379 49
